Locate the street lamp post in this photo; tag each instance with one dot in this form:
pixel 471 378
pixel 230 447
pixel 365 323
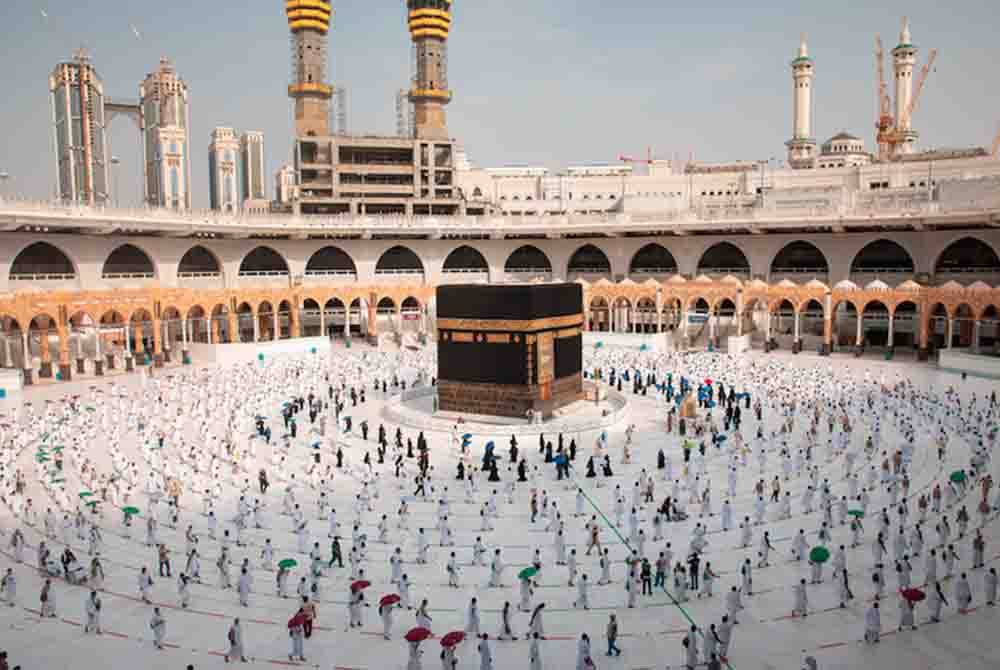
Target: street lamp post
pixel 115 162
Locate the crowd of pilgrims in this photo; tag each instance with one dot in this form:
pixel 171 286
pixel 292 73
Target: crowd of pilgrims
pixel 832 454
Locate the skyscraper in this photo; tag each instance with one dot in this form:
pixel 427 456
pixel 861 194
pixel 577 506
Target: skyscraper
pixel 252 157
pixel 164 99
pixel 79 131
pixel 224 171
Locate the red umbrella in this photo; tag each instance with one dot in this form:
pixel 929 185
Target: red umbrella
pixel 913 595
pixel 452 638
pixel 417 634
pixel 360 585
pixel 708 382
pixel 390 599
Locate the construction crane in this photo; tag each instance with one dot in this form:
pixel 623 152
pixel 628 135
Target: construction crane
pixel 648 160
pixel 889 134
pixel 884 121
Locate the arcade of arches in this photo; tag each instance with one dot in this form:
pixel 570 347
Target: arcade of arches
pixel 65 333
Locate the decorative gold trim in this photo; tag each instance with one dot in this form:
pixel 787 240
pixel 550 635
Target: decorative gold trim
pixel 512 325
pixel 498 338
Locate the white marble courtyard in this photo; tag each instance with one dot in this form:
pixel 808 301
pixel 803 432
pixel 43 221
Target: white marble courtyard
pixel 113 429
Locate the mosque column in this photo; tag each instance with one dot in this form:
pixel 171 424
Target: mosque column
pixel 322 321
pixel 28 381
pixel 65 367
pixel 685 324
pixel 892 328
pixel 234 332
pixel 861 328
pixel 275 325
pixel 797 342
pixel 185 354
pixel 347 322
pixel 129 363
pixel 98 361
pixel 372 316
pixel 711 327
pixel 256 326
pixel 294 318
pixel 140 345
pixel 46 367
pixel 950 332
pixel 165 339
pixel 214 334
pixel 157 343
pixel 975 336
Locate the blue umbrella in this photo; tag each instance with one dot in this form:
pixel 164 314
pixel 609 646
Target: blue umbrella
pixel 467 436
pixel 490 445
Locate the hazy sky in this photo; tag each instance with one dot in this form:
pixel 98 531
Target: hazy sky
pixel 536 82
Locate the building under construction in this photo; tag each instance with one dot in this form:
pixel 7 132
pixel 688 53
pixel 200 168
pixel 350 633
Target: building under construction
pixel 369 174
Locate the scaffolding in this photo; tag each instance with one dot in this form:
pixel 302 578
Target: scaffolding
pixel 340 110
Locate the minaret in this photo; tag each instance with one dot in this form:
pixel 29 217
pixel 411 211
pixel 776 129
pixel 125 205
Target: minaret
pixel 429 22
pixel 904 58
pixel 309 22
pixel 802 146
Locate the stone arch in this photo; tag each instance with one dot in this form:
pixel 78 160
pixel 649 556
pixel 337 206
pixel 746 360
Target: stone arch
pixel 969 256
pixel 199 261
pixel 646 317
pixel 599 313
pixel 263 261
pixel 588 260
pixel 724 258
pixel 128 261
pixel 623 313
pixel 844 315
pixel 882 256
pixel 653 259
pixel 465 260
pixel 528 259
pixel 42 261
pixel 331 261
pixel 12 354
pixel 875 317
pixel 802 259
pixel 399 260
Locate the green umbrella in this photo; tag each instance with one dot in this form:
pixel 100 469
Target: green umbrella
pixel 857 513
pixel 92 503
pixel 42 458
pixel 819 555
pixel 86 494
pixel 287 563
pixel 958 476
pixel 90 409
pixel 527 573
pixel 57 481
pixel 131 511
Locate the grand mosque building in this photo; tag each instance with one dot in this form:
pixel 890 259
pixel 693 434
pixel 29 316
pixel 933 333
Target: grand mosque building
pixel 840 247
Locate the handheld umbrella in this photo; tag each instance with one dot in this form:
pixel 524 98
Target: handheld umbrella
pixel 452 638
pixel 819 555
pixel 417 634
pixel 287 563
pixel 360 585
pixel 390 599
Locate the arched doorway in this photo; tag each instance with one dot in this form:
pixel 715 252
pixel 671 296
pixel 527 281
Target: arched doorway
pixel 882 259
pixel 309 319
pixel 938 327
pixel 968 260
pixel 358 315
pixel 285 320
pixel 528 262
pixel 622 318
pixel 465 264
pixel 987 337
pixel 128 262
pixel 588 262
pixel 400 262
pixel 799 261
pixel 267 327
pixel 263 263
pixel 411 316
pixel 962 327
pixel 12 348
pixel 385 313
pixel 245 322
pixel 335 317
pixel 844 326
pixel 673 312
pixel 646 315
pixel 600 314
pixel 904 327
pixel 652 260
pixel 45 264
pixel 724 258
pixel 874 325
pixel 199 267
pixel 331 263
pixel 724 325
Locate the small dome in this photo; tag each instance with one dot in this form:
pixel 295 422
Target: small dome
pixel 845 285
pixel 758 284
pixel 909 285
pixel 951 286
pixel 677 279
pixel 815 283
pixel 787 283
pixel 703 279
pixel 877 285
pixel 730 279
pixel 979 286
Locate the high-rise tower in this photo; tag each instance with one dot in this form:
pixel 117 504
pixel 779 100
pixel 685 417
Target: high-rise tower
pixel 224 170
pixel 429 23
pixel 309 21
pixel 252 156
pixel 904 58
pixel 802 146
pixel 79 130
pixel 164 99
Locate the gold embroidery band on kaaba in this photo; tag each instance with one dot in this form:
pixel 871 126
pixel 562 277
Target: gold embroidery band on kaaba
pixel 513 325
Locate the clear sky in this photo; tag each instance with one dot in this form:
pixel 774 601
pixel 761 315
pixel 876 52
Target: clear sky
pixel 551 83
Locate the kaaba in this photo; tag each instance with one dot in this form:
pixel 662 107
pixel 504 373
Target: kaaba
pixel 507 349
